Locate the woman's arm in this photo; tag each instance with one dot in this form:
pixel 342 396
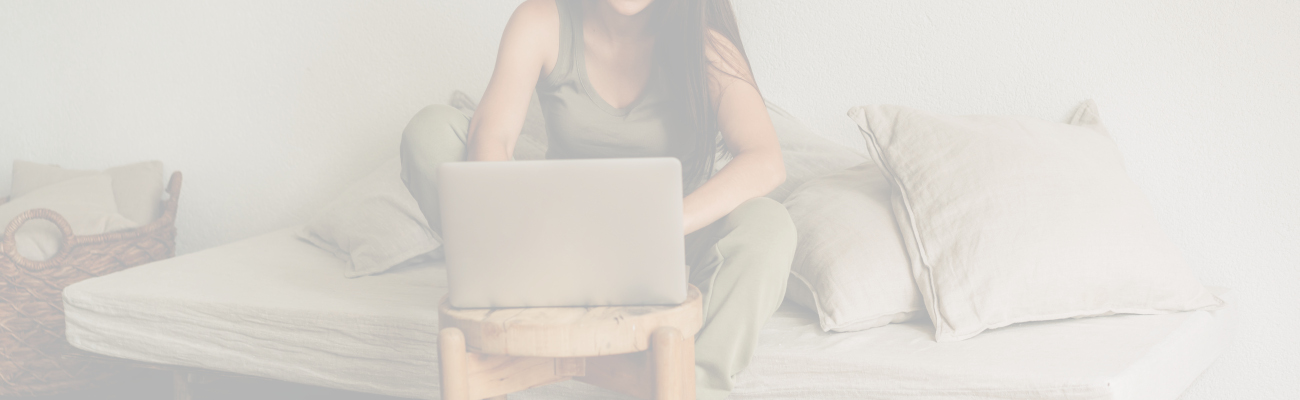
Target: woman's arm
pixel 756 167
pixel 528 50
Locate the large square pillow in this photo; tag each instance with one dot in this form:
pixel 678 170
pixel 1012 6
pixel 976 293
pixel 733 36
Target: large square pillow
pixel 374 225
pixel 1010 219
pixel 850 265
pixel 137 188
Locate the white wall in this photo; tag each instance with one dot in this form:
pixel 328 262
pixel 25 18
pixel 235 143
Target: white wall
pixel 272 107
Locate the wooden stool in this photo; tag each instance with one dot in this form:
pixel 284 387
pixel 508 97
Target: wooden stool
pixel 643 351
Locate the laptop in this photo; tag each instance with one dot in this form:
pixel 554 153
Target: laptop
pixel 553 233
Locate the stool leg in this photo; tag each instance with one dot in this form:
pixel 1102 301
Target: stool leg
pixel 666 351
pixel 688 368
pixel 181 386
pixel 453 363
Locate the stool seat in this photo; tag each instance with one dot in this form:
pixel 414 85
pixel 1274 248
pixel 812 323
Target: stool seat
pixel 644 351
pixel 570 331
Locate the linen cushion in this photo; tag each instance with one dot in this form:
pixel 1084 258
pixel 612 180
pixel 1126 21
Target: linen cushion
pixel 374 225
pixel 850 264
pixel 1010 219
pixel 85 202
pixel 137 188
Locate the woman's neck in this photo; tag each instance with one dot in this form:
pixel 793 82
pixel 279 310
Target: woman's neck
pixel 614 25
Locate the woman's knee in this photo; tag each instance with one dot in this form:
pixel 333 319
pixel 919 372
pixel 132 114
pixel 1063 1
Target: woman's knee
pixel 763 214
pixel 435 135
pixel 765 226
pixel 437 125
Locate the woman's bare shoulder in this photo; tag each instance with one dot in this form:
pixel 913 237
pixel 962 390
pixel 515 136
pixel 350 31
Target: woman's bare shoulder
pixel 533 35
pixel 538 16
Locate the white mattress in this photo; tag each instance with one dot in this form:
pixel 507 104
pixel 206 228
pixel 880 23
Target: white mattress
pixel 276 307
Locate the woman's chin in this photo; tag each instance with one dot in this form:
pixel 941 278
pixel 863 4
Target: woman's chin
pixel 629 7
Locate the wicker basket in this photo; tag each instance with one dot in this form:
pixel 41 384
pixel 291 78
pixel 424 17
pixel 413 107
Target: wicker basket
pixel 32 343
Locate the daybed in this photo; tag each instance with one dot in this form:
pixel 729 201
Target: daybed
pixel 274 306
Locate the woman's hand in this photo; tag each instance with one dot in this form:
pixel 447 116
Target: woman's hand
pixel 756 167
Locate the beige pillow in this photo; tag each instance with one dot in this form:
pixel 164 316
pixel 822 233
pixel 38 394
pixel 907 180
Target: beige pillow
pixel 86 203
pixel 850 264
pixel 1010 219
pixel 137 188
pixel 374 225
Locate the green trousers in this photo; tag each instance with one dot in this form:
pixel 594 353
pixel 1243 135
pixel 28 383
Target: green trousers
pixel 740 263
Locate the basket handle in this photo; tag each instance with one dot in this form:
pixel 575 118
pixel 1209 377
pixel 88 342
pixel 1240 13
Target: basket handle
pixel 10 246
pixel 173 197
pixel 173 192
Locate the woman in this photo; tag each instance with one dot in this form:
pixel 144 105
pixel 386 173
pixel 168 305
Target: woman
pixel 643 78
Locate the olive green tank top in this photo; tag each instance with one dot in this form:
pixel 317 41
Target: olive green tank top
pixel 581 124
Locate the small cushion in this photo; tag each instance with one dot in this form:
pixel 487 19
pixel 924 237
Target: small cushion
pixel 85 202
pixel 374 225
pixel 137 188
pixel 1010 219
pixel 850 264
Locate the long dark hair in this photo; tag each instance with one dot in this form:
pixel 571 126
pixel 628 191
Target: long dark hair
pixel 684 34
